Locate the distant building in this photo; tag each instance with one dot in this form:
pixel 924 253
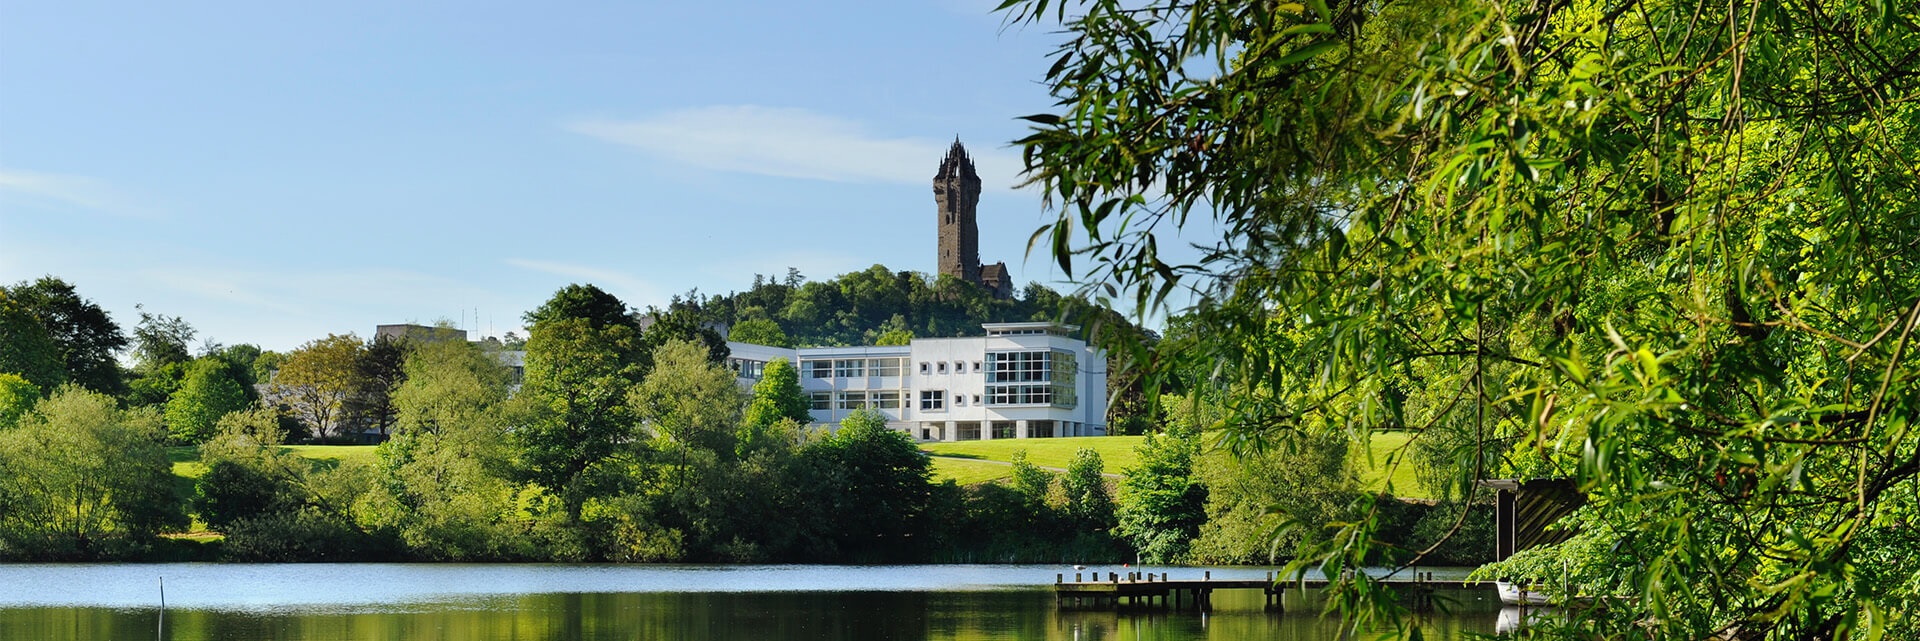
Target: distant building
pixel 419 333
pixel 956 191
pixel 1021 380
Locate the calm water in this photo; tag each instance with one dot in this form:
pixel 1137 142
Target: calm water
pixel 540 602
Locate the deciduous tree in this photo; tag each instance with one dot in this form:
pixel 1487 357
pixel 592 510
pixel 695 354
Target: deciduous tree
pixel 84 479
pixel 316 381
pixel 26 348
pixel 207 393
pixel 86 335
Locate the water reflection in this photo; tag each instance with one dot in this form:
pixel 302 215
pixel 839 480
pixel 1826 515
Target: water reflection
pixel 519 604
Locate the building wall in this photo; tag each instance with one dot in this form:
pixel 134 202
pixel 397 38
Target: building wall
pixel 955 371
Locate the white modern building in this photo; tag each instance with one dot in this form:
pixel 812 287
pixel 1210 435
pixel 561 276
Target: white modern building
pixel 1021 380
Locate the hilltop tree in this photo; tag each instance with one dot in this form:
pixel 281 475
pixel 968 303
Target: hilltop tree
pixel 759 331
pixel 85 334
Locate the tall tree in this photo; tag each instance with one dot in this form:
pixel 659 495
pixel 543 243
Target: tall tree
pixel 86 335
pixel 26 348
pixel 162 347
pixel 588 302
pixel 579 430
pixel 316 381
pixel 377 373
pixel 689 400
pixel 1161 504
pixel 1667 246
pixel 208 392
pixel 445 475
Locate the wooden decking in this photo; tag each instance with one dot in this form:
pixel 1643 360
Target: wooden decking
pixel 1158 590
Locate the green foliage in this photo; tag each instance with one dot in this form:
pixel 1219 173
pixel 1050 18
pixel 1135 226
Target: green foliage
pixel 247 474
pixel 688 401
pixel 1665 248
pixel 444 481
pixel 85 336
pixel 865 490
pixel 26 349
pixel 317 380
pixel 17 396
pixel 583 302
pixel 207 392
pixel 376 374
pixel 777 396
pixel 894 337
pixel 759 331
pixel 1161 504
pixel 82 479
pixel 579 430
pixel 1262 504
pixel 160 340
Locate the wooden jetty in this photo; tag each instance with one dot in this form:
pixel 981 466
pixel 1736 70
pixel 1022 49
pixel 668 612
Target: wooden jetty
pixel 1158 590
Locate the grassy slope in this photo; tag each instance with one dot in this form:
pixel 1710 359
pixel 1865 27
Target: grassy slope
pixel 1374 470
pixel 963 461
pixel 187 466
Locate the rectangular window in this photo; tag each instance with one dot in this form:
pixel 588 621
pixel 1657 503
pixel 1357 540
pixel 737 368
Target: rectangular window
pixel 885 366
pixel 967 431
pixel 943 367
pixel 817 369
pixel 853 400
pixel 976 399
pixel 976 367
pixel 821 400
pixel 933 400
pixel 885 399
pixel 1019 367
pixel 1005 429
pixel 850 368
pixel 923 367
pixel 959 400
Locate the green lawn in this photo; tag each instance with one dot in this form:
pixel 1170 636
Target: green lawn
pixel 968 471
pixel 1116 452
pixel 1374 472
pixel 187 466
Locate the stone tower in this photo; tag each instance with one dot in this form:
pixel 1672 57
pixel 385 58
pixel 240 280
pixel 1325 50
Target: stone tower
pixel 956 188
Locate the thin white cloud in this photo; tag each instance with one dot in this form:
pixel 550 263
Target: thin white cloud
pixel 71 191
pixel 635 291
pixel 791 143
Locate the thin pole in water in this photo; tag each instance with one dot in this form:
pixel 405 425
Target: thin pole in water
pixel 161 633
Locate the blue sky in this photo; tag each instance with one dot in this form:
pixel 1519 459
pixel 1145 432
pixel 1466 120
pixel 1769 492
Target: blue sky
pixel 274 172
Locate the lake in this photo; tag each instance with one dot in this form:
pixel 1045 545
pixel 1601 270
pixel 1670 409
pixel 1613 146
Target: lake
pixel 311 602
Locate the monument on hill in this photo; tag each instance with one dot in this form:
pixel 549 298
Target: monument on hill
pixel 956 189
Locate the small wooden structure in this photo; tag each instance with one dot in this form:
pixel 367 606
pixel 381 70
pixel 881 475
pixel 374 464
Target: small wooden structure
pixel 1157 590
pixel 1524 512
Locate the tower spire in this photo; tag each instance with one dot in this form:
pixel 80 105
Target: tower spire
pixel 956 189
